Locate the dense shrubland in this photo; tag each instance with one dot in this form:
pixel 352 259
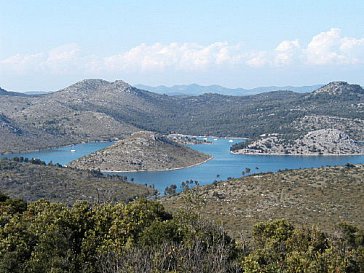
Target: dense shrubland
pixel 142 237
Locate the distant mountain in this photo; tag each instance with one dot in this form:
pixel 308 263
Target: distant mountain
pixel 97 110
pixel 4 92
pixel 195 89
pixel 29 93
pixel 35 93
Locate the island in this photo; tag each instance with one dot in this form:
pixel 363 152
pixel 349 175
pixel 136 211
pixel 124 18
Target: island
pixel 142 151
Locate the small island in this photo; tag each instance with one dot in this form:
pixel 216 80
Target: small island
pixel 318 142
pixel 142 151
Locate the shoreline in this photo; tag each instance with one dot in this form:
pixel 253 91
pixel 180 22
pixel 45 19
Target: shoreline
pixel 280 154
pixel 55 147
pixel 157 170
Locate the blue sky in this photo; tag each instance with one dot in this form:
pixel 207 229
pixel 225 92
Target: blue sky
pixel 47 45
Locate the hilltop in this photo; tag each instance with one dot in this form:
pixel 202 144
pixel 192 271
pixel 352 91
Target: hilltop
pixel 340 89
pixel 100 110
pixel 142 151
pixel 322 197
pixel 58 184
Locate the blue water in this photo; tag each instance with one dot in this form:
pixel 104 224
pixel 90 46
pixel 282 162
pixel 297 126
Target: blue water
pixel 63 155
pixel 223 165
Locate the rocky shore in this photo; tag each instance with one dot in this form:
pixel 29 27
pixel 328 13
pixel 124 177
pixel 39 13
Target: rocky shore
pixel 186 139
pixel 142 151
pixel 319 142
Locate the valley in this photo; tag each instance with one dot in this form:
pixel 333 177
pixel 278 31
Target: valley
pixel 99 110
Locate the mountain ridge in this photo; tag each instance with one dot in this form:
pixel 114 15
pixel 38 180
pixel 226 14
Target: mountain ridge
pixel 196 89
pixel 95 109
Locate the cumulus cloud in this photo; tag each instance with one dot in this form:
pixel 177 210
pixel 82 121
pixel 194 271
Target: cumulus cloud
pixel 62 58
pixel 331 48
pixel 180 56
pixel 21 63
pixel 59 60
pixel 326 48
pixel 257 59
pixel 287 52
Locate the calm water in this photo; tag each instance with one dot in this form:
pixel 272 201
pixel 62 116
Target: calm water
pixel 63 155
pixel 223 165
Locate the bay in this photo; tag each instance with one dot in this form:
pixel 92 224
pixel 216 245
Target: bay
pixel 224 165
pixel 65 154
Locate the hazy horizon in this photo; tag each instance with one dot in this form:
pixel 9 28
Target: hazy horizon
pixel 47 45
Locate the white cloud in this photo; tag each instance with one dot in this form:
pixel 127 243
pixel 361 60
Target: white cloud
pixel 257 59
pixel 287 52
pixel 331 48
pixel 326 48
pixel 21 63
pixel 59 60
pixel 59 57
pixel 180 56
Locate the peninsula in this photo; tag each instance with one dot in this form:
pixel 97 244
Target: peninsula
pixel 142 151
pixel 318 142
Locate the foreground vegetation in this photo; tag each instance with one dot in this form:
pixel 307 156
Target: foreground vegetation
pixel 142 237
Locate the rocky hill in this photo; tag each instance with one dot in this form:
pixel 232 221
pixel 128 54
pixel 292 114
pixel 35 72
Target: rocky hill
pixel 100 110
pixel 321 197
pixel 319 142
pixel 340 89
pixel 142 151
pixel 33 181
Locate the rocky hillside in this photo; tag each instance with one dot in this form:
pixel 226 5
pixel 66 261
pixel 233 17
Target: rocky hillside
pixel 33 181
pixel 141 151
pixel 99 110
pixel 319 142
pixel 340 89
pixel 322 197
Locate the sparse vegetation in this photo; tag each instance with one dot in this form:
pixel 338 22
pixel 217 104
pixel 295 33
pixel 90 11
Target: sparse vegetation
pixel 142 151
pixel 99 110
pixel 320 196
pixel 32 179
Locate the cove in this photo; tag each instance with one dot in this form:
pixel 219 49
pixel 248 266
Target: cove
pixel 65 154
pixel 225 164
pixel 222 166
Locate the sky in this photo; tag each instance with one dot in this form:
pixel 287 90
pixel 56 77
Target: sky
pixel 49 44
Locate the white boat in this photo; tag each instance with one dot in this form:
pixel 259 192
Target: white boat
pixel 231 140
pixel 73 150
pixel 215 139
